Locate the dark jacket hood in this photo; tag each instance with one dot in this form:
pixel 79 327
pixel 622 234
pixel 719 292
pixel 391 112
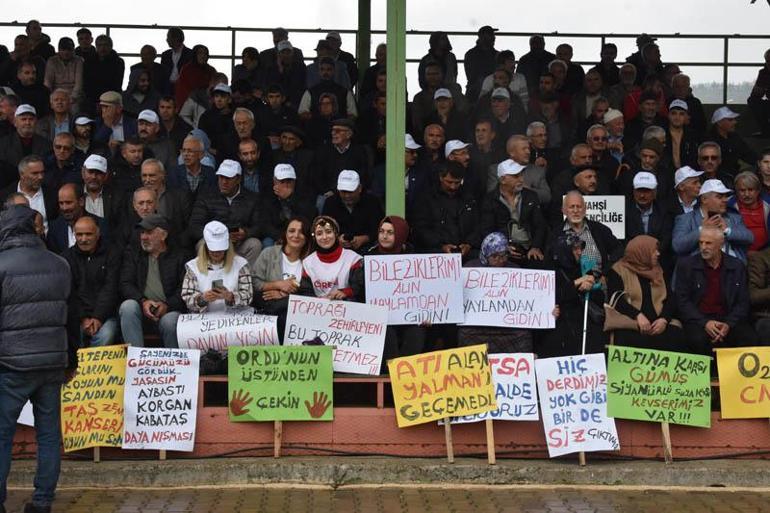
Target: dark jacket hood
pixel 17 228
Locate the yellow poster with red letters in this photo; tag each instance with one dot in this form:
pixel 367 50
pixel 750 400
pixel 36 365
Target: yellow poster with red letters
pixel 744 382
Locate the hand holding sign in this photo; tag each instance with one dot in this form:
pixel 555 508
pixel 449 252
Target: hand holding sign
pixel 240 400
pixel 319 406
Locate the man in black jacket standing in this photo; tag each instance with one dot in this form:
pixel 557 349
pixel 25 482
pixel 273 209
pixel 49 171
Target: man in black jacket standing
pixel 37 350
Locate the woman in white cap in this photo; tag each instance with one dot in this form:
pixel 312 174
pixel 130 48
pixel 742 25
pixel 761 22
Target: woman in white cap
pixel 331 271
pixel 217 278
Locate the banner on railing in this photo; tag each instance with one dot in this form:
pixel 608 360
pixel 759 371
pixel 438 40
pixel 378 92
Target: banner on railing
pixel 659 386
pixel 161 398
pixel 416 288
pixel 744 389
pixel 280 383
pixel 92 402
pixel 220 330
pixel 573 397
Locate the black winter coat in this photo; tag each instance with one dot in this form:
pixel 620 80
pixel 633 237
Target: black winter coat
pixel 133 276
pixel 94 282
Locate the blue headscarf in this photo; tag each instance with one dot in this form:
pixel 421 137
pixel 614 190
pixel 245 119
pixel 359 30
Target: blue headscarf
pixel 495 242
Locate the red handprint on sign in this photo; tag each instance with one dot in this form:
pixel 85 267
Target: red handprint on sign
pixel 240 400
pixel 320 404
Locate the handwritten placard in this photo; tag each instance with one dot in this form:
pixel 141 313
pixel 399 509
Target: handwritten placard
pixel 512 298
pixel 416 288
pixel 92 403
pixel 659 386
pixel 280 383
pixel 744 382
pixel 220 330
pixel 161 398
pixel 573 397
pixel 442 384
pixel 513 375
pixel 355 330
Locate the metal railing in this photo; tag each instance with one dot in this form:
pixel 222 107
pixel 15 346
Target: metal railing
pixel 600 39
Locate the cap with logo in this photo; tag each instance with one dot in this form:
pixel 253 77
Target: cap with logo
pixel 229 169
pixel 348 181
pixel 217 236
pixel 25 108
pixel 713 185
pixel 284 172
pixel 454 145
pixel 96 162
pixel 509 167
pixel 723 113
pixel 645 180
pixel 683 173
pixel 149 116
pixel 678 104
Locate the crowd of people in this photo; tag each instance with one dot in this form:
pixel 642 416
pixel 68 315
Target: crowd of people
pixel 192 192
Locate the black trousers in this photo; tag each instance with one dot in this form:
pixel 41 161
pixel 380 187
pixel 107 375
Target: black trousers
pixel 740 335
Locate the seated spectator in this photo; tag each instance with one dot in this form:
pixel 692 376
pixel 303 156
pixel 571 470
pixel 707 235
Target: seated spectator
pixel 331 271
pixel 440 52
pixel 652 87
pixel 278 270
pixel 710 162
pixel 422 103
pixel 446 218
pixel 341 154
pixel 485 153
pixel 712 296
pixel 59 119
pixel 535 62
pixel 457 151
pixel 514 210
pixel 277 114
pixel 646 215
pixel 338 72
pixel 375 71
pixel 20 143
pixel 371 127
pixel 759 99
pixel 103 71
pixel 496 252
pixel 759 291
pixel 65 71
pixel 355 211
pixel 20 53
pixel 681 142
pixel 734 147
pixel 148 124
pixel 648 116
pixel 172 127
pixel 507 113
pixel 125 168
pixel 268 57
pixel 517 83
pixel 94 297
pixel 754 210
pixel 340 55
pixel 192 175
pixel 583 101
pixel 763 169
pixel 518 149
pixel 541 154
pixel 256 177
pixel 196 74
pixel 615 124
pixel 282 203
pixel 173 204
pixel 144 202
pixel 64 163
pixel 85 47
pixel 575 74
pixel 101 201
pixel 217 278
pixel 319 128
pixel 217 120
pixel 113 127
pixel 140 94
pixel 606 67
pixel 235 207
pixel 157 74
pixel 249 69
pixel 288 71
pixel 8 104
pixel 445 114
pixel 30 184
pixel 686 188
pixel 430 157
pixel 83 131
pixel 292 150
pixel 30 90
pixel 681 90
pixel 713 213
pixel 646 298
pixel 151 285
pixel 200 100
pixel 556 125
pixel 61 231
pixel 585 180
pixel 650 153
pixel 595 115
pixel 416 179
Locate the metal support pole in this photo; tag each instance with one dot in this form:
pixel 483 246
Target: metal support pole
pixel 724 69
pixel 363 38
pixel 232 54
pixel 396 108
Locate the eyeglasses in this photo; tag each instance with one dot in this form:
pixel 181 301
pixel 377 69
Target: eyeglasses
pixel 597 139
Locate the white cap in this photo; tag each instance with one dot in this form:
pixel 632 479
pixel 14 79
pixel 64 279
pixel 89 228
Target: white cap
pixel 454 145
pixel 410 143
pixel 611 115
pixel 348 181
pixel 284 45
pixel 442 92
pixel 217 236
pixel 645 180
pixel 6 91
pixel 678 104
pixel 683 173
pixel 229 168
pixel 25 108
pixel 96 162
pixel 284 172
pixel 149 116
pixel 501 92
pixel 83 120
pixel 509 167
pixel 222 88
pixel 723 113
pixel 713 185
pixel 334 35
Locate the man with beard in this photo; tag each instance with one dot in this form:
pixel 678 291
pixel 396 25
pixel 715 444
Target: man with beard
pixel 140 95
pixel 148 126
pixel 157 73
pixel 255 177
pixel 61 231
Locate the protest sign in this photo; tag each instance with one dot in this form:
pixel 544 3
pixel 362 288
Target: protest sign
pixel 92 403
pixel 280 383
pixel 513 375
pixel 573 397
pixel 355 330
pixel 608 210
pixel 161 398
pixel 220 330
pixel 659 386
pixel 744 390
pixel 509 298
pixel 416 288
pixel 432 386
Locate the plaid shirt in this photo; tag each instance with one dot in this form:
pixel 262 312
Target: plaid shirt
pixel 591 250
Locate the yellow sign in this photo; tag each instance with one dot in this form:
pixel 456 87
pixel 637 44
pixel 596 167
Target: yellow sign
pixel 744 382
pixel 92 403
pixel 433 386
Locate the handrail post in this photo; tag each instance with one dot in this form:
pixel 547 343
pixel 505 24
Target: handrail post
pixel 725 68
pixel 395 108
pixel 232 52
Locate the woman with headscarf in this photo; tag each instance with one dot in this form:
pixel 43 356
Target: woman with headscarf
pixel 331 271
pixel 405 340
pixel 647 299
pixel 193 75
pixel 494 253
pixel 575 276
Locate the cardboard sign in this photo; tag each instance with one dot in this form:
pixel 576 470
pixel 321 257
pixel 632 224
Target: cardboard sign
pixel 355 330
pixel 608 210
pixel 280 383
pixel 416 288
pixel 92 403
pixel 513 375
pixel 433 386
pixel 221 330
pixel 744 388
pixel 659 386
pixel 509 298
pixel 573 397
pixel 161 398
